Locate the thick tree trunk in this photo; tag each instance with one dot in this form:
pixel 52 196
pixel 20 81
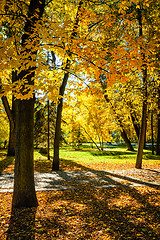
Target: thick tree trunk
pixel 24 194
pixel 24 187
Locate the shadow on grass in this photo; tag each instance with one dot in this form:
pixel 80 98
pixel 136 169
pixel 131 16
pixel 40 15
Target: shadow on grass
pixel 112 153
pixel 5 160
pixel 148 156
pixel 22 224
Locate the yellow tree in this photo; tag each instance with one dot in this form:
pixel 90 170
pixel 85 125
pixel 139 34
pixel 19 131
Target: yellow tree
pixel 24 189
pixel 88 114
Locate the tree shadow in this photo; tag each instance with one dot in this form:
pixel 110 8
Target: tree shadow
pixel 72 166
pixel 151 170
pixel 148 156
pixel 22 224
pixel 94 214
pixel 90 213
pixel 42 165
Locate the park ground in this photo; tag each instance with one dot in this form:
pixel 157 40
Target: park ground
pixel 86 212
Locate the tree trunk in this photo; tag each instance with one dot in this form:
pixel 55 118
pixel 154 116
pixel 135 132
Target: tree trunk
pixel 152 132
pixel 135 125
pixel 48 134
pixel 126 140
pixel 158 125
pixel 24 188
pixel 55 164
pixel 141 137
pixel 144 108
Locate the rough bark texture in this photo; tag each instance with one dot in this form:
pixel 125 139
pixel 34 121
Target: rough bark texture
pixel 24 188
pixel 24 194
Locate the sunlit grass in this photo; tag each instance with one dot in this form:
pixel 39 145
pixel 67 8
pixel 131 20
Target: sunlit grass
pixel 85 159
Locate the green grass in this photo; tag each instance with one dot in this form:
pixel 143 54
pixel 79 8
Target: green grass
pixel 85 159
pixel 117 158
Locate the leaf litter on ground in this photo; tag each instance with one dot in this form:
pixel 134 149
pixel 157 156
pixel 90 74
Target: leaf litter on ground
pixel 85 213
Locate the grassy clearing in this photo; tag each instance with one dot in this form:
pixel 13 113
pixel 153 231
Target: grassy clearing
pixel 87 159
pixel 116 158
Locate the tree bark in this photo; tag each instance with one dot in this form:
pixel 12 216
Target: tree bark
pixel 24 194
pixel 135 125
pixel 142 135
pixel 24 187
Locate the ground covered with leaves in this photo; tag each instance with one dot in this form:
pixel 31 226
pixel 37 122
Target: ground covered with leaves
pixel 84 213
pixel 115 213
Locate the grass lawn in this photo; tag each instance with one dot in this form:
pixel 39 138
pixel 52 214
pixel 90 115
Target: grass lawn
pixel 85 213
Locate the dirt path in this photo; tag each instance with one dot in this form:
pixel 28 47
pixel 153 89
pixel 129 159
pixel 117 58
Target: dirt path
pixel 97 179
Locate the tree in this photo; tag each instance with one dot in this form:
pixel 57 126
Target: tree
pixel 144 108
pixel 24 189
pixel 55 164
